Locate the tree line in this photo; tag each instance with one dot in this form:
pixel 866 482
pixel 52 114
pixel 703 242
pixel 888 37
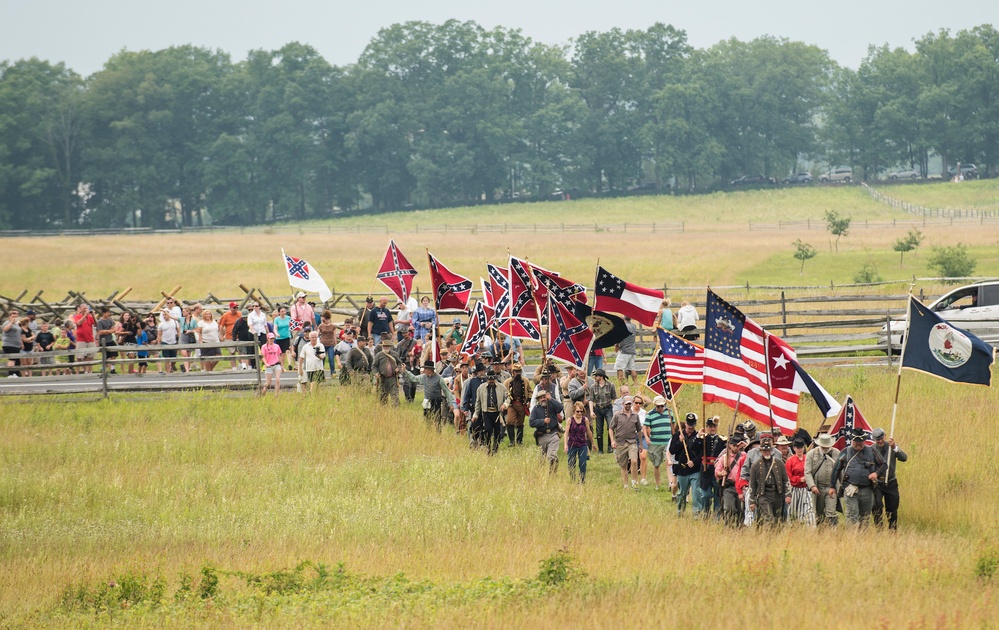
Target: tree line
pixel 443 114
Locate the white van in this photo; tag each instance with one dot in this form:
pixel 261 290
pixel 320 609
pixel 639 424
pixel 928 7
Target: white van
pixel 974 308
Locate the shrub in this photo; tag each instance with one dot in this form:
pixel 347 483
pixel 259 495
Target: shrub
pixel 558 569
pixel 867 274
pixel 952 262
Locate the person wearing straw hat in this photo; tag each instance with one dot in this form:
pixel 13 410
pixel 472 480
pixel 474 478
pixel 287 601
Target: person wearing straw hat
pixel 886 497
pixel 819 465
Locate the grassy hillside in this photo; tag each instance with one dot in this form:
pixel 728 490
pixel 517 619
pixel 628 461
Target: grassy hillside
pixel 717 246
pixel 106 507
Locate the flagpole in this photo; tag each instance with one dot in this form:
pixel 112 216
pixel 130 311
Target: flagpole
pixel 898 379
pixel 766 368
pixel 433 328
pixel 537 309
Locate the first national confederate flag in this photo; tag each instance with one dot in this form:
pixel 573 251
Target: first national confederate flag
pixel 614 295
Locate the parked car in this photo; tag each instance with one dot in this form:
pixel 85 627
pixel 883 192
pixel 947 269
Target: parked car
pixel 906 174
pixel 974 308
pixel 751 179
pixel 841 174
pixel 969 171
pixel 799 178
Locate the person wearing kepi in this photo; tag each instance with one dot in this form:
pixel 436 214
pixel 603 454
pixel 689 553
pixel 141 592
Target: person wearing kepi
pixel 820 462
pixel 685 450
pixel 271 353
pixel 387 367
pixel 886 496
pixel 658 433
pixel 310 361
pixel 708 487
pixel 753 455
pixel 624 431
pixel 858 468
pixel 545 417
pixel 602 396
pixel 519 389
pixel 437 397
pixel 768 485
pixel 491 403
pixel 802 507
pixel 727 469
pixel 469 393
pixel 359 362
pixel 578 436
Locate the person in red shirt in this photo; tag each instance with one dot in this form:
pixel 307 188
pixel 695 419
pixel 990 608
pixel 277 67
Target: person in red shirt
pixel 85 336
pixel 226 322
pixel 802 509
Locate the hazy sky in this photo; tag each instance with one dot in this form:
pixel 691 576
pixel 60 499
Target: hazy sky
pixel 84 33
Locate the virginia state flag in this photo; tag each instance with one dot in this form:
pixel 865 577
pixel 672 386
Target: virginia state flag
pixel 934 346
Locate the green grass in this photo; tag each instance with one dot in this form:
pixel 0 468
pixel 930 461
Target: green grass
pixel 156 489
pixel 978 195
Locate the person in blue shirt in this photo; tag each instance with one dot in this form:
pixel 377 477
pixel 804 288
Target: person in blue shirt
pixel 424 320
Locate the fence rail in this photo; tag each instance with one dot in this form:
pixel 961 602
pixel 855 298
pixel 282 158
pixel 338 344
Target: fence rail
pixel 960 214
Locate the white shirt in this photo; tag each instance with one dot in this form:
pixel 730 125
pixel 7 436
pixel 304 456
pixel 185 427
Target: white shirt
pixel 168 331
pixel 257 321
pixel 310 355
pixel 209 331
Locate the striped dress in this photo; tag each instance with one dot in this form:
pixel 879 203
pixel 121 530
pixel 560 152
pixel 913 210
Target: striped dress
pixel 802 509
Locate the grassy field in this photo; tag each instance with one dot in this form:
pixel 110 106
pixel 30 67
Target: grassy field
pixel 716 247
pixel 128 511
pixel 216 510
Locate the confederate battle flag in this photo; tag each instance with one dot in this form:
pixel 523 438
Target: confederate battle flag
pixel 396 272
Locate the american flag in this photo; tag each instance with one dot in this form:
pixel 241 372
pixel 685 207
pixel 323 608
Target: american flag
pixel 657 378
pixel 684 361
pixel 849 419
pixel 735 366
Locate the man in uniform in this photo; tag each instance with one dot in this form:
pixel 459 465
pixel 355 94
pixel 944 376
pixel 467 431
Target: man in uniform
pixel 457 388
pixel 886 490
pixel 820 462
pixel 404 350
pixel 386 368
pixel 437 398
pixel 547 383
pixel 469 392
pixel 685 449
pixel 859 467
pixel 769 485
pixel 727 472
pixel 518 388
pixel 602 396
pixel 708 487
pixel 491 403
pixel 753 455
pixel 359 362
pixel 545 418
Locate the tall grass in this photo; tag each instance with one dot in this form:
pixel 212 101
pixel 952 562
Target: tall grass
pixel 162 487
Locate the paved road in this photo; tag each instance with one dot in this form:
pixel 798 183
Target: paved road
pixel 130 382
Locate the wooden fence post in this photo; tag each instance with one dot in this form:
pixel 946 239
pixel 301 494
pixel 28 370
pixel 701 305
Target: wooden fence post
pixel 259 360
pixel 104 371
pixel 783 314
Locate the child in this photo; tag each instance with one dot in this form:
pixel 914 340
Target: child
pixel 142 339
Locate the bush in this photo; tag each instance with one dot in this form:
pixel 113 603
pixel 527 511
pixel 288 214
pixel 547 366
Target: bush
pixel 952 262
pixel 558 568
pixel 867 274
pixel 987 564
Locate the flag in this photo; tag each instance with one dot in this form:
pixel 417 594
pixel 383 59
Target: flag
pixel 450 289
pixel 657 378
pixel 569 339
pixel 849 419
pixel 499 291
pixel 787 373
pixel 396 272
pixel 478 325
pixel 683 361
pixel 935 347
pixel 614 295
pixel 550 285
pixel 735 367
pixel 302 275
pixel 487 292
pixel 515 315
pixel 608 329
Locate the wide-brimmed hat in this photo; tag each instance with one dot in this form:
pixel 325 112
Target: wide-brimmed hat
pixel 825 440
pixel 600 372
pixel 783 441
pixel 516 367
pixel 479 367
pixel 659 401
pixel 386 342
pixel 429 365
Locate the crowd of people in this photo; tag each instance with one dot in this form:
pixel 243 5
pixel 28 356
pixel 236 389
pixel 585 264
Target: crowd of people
pixel 742 478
